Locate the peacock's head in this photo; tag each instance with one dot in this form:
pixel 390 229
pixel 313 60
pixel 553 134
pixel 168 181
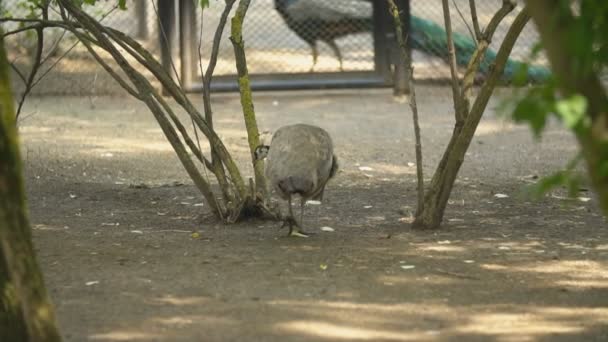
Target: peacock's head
pixel 261 152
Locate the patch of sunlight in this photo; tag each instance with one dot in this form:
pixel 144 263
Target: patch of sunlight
pixel 427 309
pixel 427 280
pixel 123 336
pixel 335 331
pixel 102 145
pixel 568 245
pixel 519 246
pixel 575 273
pixel 34 129
pixel 307 248
pixel 602 247
pixel 590 315
pixel 584 283
pixel 189 320
pixel 494 267
pixel 41 226
pixel 180 321
pixel 491 127
pixel 393 169
pixel 516 323
pixel 180 301
pixel 441 248
pixel 347 294
pixel 155 130
pixel 585 269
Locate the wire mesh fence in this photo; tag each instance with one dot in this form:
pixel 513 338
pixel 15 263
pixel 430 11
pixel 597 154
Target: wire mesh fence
pixel 281 37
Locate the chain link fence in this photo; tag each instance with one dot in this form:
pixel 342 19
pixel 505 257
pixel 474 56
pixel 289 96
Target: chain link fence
pixel 279 37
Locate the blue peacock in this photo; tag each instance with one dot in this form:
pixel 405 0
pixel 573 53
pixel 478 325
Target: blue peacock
pixel 326 21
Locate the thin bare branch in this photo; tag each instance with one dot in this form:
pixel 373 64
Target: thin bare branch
pixel 209 165
pixel 464 21
pixel 478 56
pixel 18 72
pixel 452 62
pixel 149 62
pixel 87 44
pixel 147 94
pixel 166 41
pixel 29 84
pixel 50 68
pixel 207 76
pixel 394 11
pixel 39 26
pixel 447 171
pixel 217 39
pixel 507 7
pixel 473 9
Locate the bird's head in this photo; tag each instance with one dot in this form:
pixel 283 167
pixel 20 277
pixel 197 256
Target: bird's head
pixel 261 152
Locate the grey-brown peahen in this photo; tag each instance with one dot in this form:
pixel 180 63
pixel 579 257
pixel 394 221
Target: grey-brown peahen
pixel 299 161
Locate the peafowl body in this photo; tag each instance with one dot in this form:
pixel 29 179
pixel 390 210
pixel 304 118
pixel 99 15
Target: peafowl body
pixel 326 21
pixel 300 161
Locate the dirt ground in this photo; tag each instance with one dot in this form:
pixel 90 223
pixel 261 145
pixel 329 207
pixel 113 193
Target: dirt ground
pixel 113 214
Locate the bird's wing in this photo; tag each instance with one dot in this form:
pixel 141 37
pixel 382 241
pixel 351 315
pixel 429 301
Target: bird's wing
pixel 333 10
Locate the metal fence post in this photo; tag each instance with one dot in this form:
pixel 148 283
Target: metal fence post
pixel 141 11
pixel 187 43
pixel 167 35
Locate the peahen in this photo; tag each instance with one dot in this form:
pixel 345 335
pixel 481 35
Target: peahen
pixel 300 161
pixel 326 21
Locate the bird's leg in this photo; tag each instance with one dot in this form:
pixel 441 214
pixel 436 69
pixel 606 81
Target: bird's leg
pixel 302 203
pixel 291 221
pixel 315 55
pixel 332 44
pixel 301 231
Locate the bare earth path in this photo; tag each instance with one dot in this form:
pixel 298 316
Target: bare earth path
pixel 113 216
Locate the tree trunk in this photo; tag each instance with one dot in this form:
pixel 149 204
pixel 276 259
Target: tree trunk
pixel 251 124
pixel 553 25
pixel 439 192
pixel 23 291
pixel 12 325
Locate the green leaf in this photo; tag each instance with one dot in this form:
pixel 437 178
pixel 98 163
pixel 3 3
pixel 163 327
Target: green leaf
pixel 536 49
pixel 203 3
pixel 567 177
pixel 122 4
pixel 603 168
pixel 572 111
pixel 531 110
pixel 547 183
pixel 520 78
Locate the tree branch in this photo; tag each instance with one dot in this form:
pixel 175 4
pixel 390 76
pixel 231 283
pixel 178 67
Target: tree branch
pixel 149 96
pixel 507 7
pixel 452 62
pixel 217 167
pixel 394 11
pixel 253 135
pixel 473 9
pixel 29 84
pixel 480 52
pixel 473 38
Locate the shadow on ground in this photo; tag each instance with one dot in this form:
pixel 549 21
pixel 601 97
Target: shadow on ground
pixel 113 216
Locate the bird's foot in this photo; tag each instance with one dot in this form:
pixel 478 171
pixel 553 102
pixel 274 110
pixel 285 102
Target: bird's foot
pixel 302 233
pixel 299 233
pixel 291 222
